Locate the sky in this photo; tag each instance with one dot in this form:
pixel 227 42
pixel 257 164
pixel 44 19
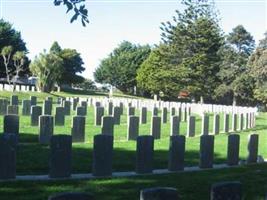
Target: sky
pixel 112 21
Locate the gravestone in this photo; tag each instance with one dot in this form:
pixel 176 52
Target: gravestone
pixel 133 128
pixel 49 99
pixel 67 106
pixel 46 128
pixel 234 122
pixel 216 124
pixel 3 106
pixel 71 196
pixel 172 113
pixel 156 127
pixel 143 115
pixel 144 154
pixel 241 122
pixel 121 108
pixel 75 103
pixel 176 153
pixel 47 108
pixel 131 111
pixel 110 108
pixel 159 193
pixel 36 111
pixel 155 111
pixel 226 123
pixel 233 149
pixel 179 110
pixel 102 155
pixel 7 158
pixel 191 126
pixel 81 110
pixel 206 151
pixel 33 100
pixel 11 124
pixel 97 104
pixel 117 115
pixel 99 113
pixel 13 110
pixel 226 191
pixel 78 129
pixel 84 104
pixel 184 114
pixel 60 156
pixel 107 125
pixel 205 124
pixel 60 116
pixel 14 100
pixel 175 125
pixel 247 121
pixel 164 115
pixel 26 107
pixel 253 144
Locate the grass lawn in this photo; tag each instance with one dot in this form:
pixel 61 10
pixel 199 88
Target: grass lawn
pixel 32 158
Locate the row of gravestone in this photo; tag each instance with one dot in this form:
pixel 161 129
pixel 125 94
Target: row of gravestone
pixel 219 191
pixel 47 122
pixel 61 151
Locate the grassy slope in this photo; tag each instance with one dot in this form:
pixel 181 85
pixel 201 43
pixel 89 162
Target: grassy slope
pixel 32 158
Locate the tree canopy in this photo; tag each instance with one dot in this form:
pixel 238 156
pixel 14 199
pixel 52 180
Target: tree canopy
pixel 120 67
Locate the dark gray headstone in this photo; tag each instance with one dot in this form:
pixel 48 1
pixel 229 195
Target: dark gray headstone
pixel 36 111
pixel 75 103
pixel 3 106
pixel 102 155
pixel 71 196
pixel 67 106
pixel 206 151
pixel 176 153
pixel 107 125
pixel 131 111
pixel 164 115
pixel 14 100
pixel 133 128
pixel 7 158
pixel 13 110
pixel 216 124
pixel 233 149
pixel 172 113
pixel 60 156
pixel 47 108
pixel 226 123
pixel 121 108
pixel 99 113
pixel 226 191
pixel 26 107
pixel 84 104
pixel 175 125
pixel 159 193
pixel 234 122
pixel 156 127
pixel 110 108
pixel 33 100
pixel 60 116
pixel 205 124
pixel 144 154
pixel 179 110
pixel 155 111
pixel 11 124
pixel 191 126
pixel 253 144
pixel 117 115
pixel 185 114
pixel 143 115
pixel 46 125
pixel 78 129
pixel 81 110
pixel 241 122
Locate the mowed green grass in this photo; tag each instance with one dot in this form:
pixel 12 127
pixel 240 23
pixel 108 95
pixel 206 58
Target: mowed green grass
pixel 32 158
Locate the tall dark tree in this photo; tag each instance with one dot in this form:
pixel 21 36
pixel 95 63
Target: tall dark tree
pixel 235 54
pixel 119 69
pixel 193 39
pixel 72 65
pixel 11 37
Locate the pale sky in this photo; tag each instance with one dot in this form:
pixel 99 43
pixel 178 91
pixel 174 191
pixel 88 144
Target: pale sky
pixel 112 21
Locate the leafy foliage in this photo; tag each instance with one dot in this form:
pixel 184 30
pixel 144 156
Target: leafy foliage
pixel 120 67
pixel 72 64
pixel 9 37
pixel 47 67
pixel 86 85
pixel 78 8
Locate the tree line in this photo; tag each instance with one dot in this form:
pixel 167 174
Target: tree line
pixel 194 56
